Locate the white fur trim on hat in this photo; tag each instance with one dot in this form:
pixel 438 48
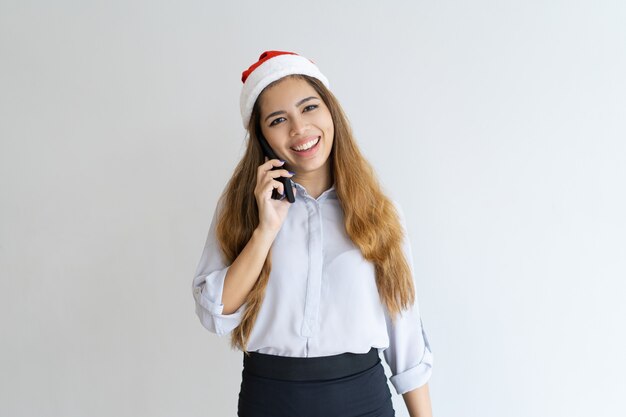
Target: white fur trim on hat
pixel 269 71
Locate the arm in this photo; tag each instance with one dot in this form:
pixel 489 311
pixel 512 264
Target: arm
pixel 245 270
pixel 220 290
pixel 207 286
pixel 409 354
pixel 418 402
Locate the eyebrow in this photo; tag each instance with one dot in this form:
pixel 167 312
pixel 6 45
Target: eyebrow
pixel 276 113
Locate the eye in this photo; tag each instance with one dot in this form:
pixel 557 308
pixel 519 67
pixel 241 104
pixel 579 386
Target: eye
pixel 275 121
pixel 311 106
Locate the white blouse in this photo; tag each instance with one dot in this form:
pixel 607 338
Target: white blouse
pixel 321 298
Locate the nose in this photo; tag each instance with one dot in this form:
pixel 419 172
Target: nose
pixel 298 126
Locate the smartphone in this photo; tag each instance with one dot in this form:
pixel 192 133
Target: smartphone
pixel 287 183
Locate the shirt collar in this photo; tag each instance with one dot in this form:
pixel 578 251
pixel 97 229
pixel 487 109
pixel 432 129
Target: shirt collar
pixel 330 192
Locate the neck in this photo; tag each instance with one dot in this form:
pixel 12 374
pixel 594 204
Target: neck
pixel 315 183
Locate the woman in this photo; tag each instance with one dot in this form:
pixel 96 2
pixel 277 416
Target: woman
pixel 311 290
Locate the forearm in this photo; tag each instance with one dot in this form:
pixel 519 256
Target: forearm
pixel 418 402
pixel 245 270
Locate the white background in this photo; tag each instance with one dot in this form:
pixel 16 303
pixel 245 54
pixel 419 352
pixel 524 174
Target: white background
pixel 498 125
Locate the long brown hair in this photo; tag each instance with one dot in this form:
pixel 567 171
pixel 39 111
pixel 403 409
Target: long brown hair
pixel 370 217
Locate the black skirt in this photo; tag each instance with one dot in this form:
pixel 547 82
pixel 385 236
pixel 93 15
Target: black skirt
pixel 346 385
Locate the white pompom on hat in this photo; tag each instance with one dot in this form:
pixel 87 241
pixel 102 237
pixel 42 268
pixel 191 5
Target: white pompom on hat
pixel 272 66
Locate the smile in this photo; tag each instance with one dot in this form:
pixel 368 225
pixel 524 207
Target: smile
pixel 307 146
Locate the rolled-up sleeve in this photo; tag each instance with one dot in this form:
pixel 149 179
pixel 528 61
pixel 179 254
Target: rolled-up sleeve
pixel 208 285
pixel 409 355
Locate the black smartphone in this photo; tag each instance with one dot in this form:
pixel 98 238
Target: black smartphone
pixel 287 183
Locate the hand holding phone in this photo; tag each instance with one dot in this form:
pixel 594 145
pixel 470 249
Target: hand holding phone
pixel 287 183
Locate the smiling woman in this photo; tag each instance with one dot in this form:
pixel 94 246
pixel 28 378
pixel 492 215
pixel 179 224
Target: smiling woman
pixel 300 132
pixel 312 291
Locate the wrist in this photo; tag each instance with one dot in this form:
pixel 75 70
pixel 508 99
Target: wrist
pixel 265 233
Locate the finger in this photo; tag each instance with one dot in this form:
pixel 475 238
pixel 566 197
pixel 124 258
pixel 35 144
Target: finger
pixel 268 165
pixel 279 186
pixel 274 185
pixel 273 163
pixel 280 173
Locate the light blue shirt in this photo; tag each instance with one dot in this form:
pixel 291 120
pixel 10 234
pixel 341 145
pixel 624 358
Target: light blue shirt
pixel 321 297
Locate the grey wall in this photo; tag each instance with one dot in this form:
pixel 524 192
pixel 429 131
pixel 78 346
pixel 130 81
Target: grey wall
pixel 498 125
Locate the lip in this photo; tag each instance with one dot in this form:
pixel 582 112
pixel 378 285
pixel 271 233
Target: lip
pixel 304 140
pixel 310 151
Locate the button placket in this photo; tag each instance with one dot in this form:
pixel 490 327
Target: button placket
pixel 314 276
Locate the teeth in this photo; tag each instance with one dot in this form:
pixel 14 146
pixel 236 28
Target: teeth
pixel 307 145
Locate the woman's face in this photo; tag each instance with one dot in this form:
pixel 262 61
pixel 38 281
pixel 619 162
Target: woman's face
pixel 297 125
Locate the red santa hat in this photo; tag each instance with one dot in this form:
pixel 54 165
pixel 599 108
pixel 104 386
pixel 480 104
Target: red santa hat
pixel 272 66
